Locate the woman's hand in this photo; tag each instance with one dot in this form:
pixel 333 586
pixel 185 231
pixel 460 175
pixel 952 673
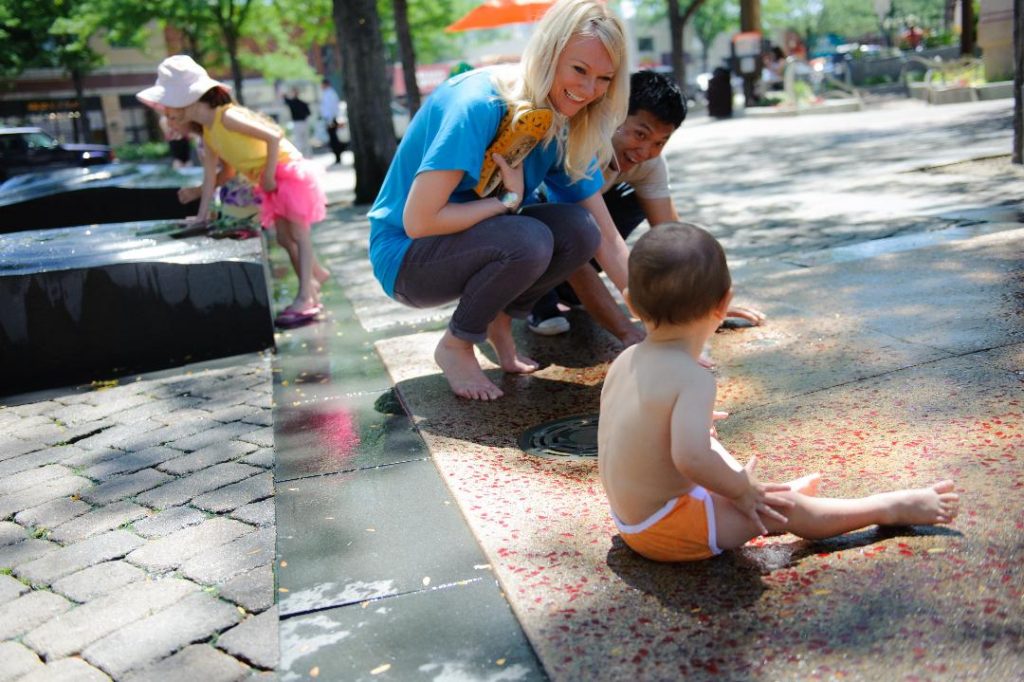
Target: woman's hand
pixel 511 178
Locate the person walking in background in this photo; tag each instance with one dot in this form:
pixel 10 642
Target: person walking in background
pixel 291 198
pixel 329 113
pixel 300 112
pixel 435 239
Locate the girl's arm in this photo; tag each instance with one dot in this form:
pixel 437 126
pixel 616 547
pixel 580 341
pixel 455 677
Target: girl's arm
pixel 428 211
pixel 239 123
pixel 210 160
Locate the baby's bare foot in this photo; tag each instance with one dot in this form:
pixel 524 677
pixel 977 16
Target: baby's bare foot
pixel 807 485
pixel 924 506
pixel 457 360
pixel 499 333
pixel 320 274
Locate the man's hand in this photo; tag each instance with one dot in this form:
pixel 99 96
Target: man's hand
pixel 754 317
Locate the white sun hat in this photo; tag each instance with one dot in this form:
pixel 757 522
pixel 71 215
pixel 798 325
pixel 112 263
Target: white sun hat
pixel 179 83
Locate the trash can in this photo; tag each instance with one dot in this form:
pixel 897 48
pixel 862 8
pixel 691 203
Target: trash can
pixel 720 94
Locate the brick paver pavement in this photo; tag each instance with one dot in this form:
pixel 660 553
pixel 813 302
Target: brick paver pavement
pixel 137 528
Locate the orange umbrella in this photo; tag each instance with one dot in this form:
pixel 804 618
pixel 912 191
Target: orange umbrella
pixel 494 13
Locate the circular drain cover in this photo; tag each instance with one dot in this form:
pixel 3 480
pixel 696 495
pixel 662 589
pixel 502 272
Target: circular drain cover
pixel 569 438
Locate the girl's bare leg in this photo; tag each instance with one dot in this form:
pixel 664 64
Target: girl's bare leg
pixel 284 239
pixel 457 359
pixel 822 517
pixel 303 263
pixel 499 333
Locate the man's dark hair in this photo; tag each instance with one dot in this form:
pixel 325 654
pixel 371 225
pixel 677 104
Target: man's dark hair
pixel 677 274
pixel 657 93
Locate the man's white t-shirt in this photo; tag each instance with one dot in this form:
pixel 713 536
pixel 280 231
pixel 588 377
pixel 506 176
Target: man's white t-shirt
pixel 649 179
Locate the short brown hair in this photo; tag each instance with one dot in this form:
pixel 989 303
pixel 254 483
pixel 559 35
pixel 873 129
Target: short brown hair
pixel 677 273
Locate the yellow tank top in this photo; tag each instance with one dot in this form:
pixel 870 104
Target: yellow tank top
pixel 247 154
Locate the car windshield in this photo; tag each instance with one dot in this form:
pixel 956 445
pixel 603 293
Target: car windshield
pixel 40 140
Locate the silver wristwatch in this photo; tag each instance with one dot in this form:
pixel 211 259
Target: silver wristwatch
pixel 510 200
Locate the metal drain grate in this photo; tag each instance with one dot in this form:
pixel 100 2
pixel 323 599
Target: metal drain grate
pixel 569 438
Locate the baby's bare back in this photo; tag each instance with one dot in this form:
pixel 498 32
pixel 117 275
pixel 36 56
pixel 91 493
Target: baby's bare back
pixel 643 387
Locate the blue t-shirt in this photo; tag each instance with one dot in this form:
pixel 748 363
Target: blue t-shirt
pixel 452 132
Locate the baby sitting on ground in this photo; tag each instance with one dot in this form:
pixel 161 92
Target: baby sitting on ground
pixel 676 494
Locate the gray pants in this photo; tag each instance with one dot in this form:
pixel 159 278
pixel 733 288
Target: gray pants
pixel 503 263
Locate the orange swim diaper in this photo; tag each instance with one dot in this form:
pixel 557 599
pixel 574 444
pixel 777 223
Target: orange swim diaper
pixel 682 530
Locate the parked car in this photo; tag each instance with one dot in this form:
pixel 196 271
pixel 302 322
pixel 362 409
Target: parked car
pixel 24 150
pixel 399 119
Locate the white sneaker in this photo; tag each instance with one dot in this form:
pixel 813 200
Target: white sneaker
pixel 553 326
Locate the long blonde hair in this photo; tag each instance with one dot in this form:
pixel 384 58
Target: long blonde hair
pixel 590 130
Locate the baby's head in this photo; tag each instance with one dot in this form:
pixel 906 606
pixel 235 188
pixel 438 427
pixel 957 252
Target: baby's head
pixel 677 274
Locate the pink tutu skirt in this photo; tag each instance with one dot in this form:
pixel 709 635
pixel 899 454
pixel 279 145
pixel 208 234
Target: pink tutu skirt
pixel 299 197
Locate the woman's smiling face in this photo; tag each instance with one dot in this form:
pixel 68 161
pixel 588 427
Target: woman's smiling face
pixel 582 75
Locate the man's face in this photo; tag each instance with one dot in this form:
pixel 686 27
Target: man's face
pixel 640 138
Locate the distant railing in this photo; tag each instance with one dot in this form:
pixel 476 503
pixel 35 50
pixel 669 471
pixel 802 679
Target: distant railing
pixel 963 73
pixel 801 83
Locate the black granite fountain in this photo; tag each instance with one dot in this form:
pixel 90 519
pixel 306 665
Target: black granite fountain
pixel 101 299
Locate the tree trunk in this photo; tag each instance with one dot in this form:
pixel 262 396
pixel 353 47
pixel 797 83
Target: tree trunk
pixel 948 10
pixel 750 20
pixel 1018 82
pixel 368 92
pixel 231 39
pixel 408 55
pixel 81 124
pixel 677 27
pixel 967 26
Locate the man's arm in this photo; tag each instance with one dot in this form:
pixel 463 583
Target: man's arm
pixel 657 211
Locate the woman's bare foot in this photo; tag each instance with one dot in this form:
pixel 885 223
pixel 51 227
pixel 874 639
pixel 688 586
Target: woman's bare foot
pixel 806 485
pixel 499 333
pixel 303 303
pixel 457 359
pixel 922 506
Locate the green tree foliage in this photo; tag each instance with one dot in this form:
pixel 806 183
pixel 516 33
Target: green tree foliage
pixel 283 33
pixel 47 34
pixel 712 19
pixel 849 20
pixel 428 19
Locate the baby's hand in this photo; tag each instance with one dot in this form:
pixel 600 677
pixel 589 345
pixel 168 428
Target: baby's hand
pixel 269 185
pixel 759 499
pixel 716 416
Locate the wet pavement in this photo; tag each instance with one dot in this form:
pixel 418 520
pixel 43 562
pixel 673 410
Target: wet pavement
pixel 415 540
